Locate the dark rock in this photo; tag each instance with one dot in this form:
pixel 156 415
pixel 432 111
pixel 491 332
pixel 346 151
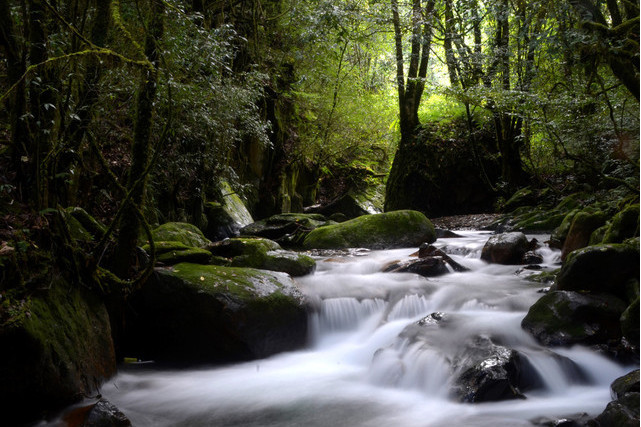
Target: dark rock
pixel 576 420
pixel 104 414
pixel 522 197
pixel 209 314
pixel 429 267
pixel 626 384
pixel 506 248
pixel 427 250
pixel 445 234
pixel 225 219
pixel 630 323
pixel 395 229
pixel 531 257
pixel 623 412
pixel 287 228
pixel 57 351
pixel 601 268
pixel 559 234
pixel 563 318
pixel 489 372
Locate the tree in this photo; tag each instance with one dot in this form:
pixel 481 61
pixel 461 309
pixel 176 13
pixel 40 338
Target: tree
pixel 403 187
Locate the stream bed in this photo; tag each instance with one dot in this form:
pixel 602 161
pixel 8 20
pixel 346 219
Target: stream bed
pixel 362 367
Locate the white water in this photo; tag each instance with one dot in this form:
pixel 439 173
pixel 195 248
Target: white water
pixel 337 381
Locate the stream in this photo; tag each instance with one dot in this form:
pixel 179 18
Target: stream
pixel 358 371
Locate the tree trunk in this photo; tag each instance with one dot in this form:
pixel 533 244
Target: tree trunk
pixel 125 256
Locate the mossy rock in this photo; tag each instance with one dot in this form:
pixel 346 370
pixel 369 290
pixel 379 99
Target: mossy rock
pixel 193 255
pixel 544 277
pixel 572 202
pixel 625 224
pixel 396 229
pixel 563 318
pixel 76 230
pixel 628 383
pixel 606 268
pixel 597 235
pixel 522 197
pixel 558 235
pixel 540 221
pixel 583 225
pixel 56 352
pixel 264 254
pixel 286 228
pixel 89 223
pixel 227 218
pixel 505 248
pixel 623 412
pixel 207 314
pixel 630 324
pixel 182 232
pixel 165 246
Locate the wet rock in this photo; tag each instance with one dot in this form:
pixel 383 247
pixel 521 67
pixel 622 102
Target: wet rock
pixel 531 257
pixel 626 384
pixel 490 372
pixel 563 318
pixel 428 267
pixel 182 232
pixel 56 350
pixel 395 229
pixel 427 250
pixel 505 248
pixel 104 414
pixel 225 219
pixel 209 314
pixel 576 420
pixel 264 254
pixel 623 412
pixel 445 234
pixel 601 268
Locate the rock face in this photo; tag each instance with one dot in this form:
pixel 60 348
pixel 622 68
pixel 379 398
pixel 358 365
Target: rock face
pixel 263 254
pixel 563 318
pixel 58 351
pixel 182 232
pixel 395 229
pixel 210 314
pixel 505 248
pixel 601 268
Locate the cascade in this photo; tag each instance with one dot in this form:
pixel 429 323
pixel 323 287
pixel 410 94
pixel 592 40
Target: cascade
pixel 385 349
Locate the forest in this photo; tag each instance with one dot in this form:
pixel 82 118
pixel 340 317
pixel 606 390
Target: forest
pixel 150 145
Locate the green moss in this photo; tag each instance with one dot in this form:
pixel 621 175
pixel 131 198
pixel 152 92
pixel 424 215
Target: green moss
pixel 387 230
pixel 560 233
pixel 541 221
pixel 214 279
pixel 166 246
pixel 625 224
pixel 630 323
pixel 572 202
pixel 597 235
pixel 544 276
pixel 193 255
pixel 519 198
pixel 89 223
pixel 182 232
pixel 76 230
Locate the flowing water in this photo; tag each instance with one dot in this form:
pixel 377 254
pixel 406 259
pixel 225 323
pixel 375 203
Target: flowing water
pixel 358 371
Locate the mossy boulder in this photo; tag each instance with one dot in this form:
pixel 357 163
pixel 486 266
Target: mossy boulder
pixel 630 324
pixel 606 268
pixel 396 229
pixel 264 254
pixel 55 352
pixel 286 228
pixel 623 412
pixel 559 234
pixel 182 232
pixel 225 219
pixel 505 248
pixel 210 314
pixel 624 225
pixel 522 197
pixel 564 318
pixel 193 255
pixel 628 383
pixel 583 225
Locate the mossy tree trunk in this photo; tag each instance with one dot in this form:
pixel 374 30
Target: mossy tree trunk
pixel 404 178
pixel 125 258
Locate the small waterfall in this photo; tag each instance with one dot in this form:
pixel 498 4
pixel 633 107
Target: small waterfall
pixel 386 349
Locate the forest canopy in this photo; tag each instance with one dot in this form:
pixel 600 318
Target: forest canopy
pixel 137 110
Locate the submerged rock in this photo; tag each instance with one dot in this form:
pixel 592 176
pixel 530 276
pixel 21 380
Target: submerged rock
pixel 100 414
pixel 209 314
pixel 395 229
pixel 505 248
pixel 56 351
pixel 563 318
pixel 428 267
